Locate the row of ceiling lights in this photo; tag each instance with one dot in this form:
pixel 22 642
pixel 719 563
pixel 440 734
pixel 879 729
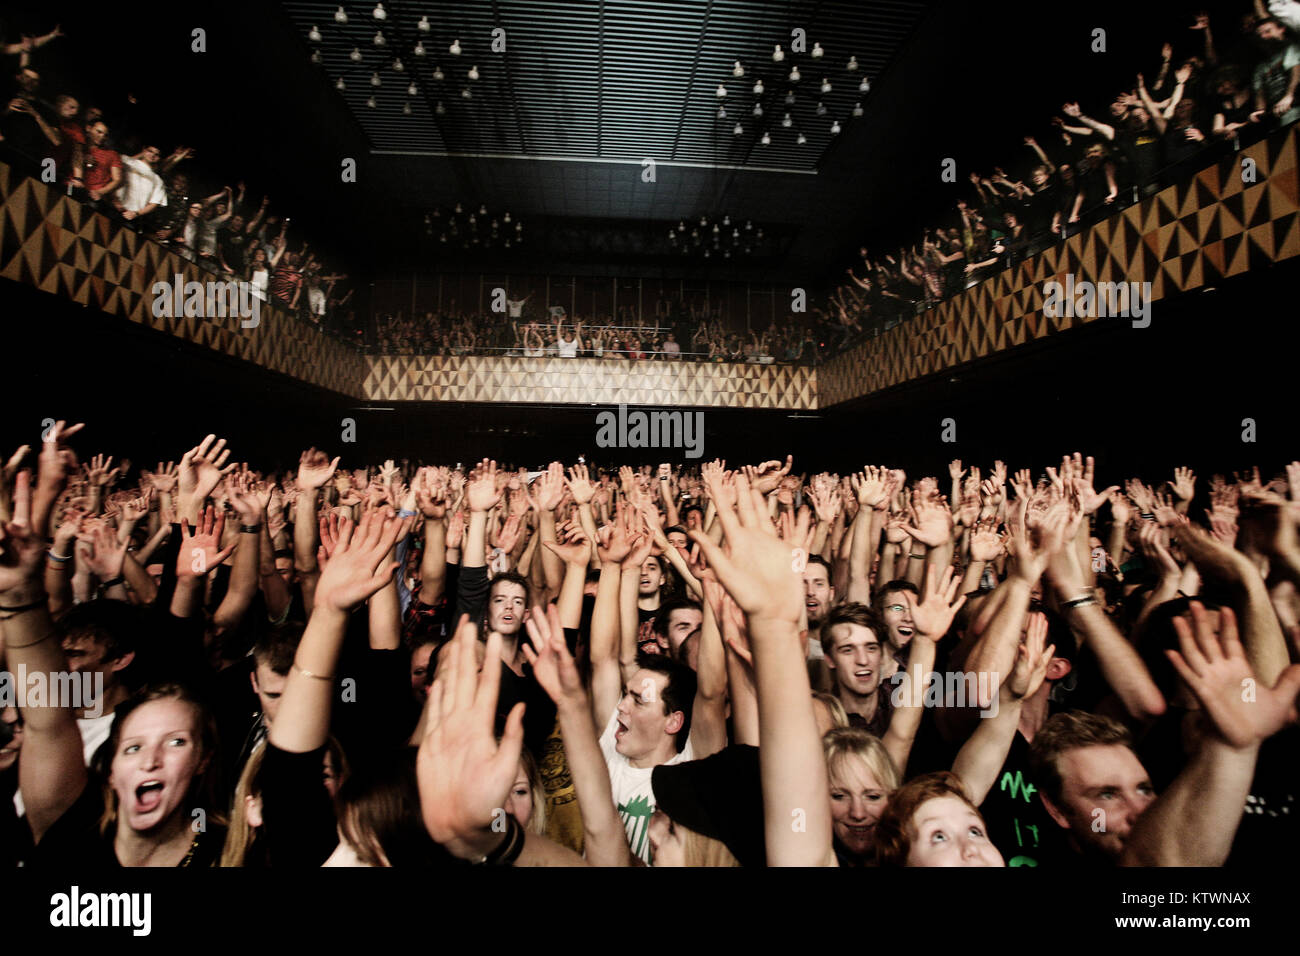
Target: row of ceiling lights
pixel 794 77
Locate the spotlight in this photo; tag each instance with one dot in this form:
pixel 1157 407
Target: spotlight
pixel 340 15
pixel 371 102
pixel 412 90
pixel 766 140
pixel 722 91
pixel 375 80
pixel 786 121
pixel 794 74
pixel 315 56
pixel 835 127
pixel 817 51
pixel 406 109
pixel 864 86
pixel 423 25
pixel 465 94
pixel 801 139
pixel 857 109
pixel 440 109
pixel 758 109
pixel 355 55
pixel 473 73
pixel 340 85
pixel 419 48
pixel 398 65
pixel 379 38
pixel 722 112
pixel 852 64
pixel 738 130
pixel 821 108
pixel 758 87
pixel 438 74
pixel 314 35
pixel 826 85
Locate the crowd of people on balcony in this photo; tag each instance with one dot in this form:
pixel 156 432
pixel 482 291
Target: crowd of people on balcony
pixel 1203 99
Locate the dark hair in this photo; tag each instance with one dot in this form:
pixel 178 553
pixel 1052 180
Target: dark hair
pixel 112 624
pixel 276 648
pixel 1070 730
pixel 852 613
pixel 818 559
pixel 378 809
pixel 678 693
pixel 665 612
pixel 878 603
pixel 509 577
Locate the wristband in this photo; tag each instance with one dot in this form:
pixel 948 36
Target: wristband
pixel 509 849
pixel 1078 602
pixel 911 555
pixel 282 553
pixel 304 673
pixel 105 585
pixel 60 558
pixel 250 529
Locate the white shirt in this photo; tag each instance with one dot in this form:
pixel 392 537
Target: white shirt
pixel 515 307
pixel 567 349
pixel 142 186
pixel 633 794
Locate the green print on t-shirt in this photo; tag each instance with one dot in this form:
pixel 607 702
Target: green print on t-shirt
pixel 636 820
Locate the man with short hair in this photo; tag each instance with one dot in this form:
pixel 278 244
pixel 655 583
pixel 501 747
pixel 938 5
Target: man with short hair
pixel 101 172
pixel 142 191
pixel 649 728
pixel 98 639
pixel 675 624
pixel 819 596
pixel 1276 77
pixel 850 640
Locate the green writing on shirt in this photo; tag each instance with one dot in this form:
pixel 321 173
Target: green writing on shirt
pixel 1017 785
pixel 636 820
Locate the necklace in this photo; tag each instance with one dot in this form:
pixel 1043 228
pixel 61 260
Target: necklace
pixel 189 855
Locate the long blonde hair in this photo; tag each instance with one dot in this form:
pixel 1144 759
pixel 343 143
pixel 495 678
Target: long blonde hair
pixel 241 836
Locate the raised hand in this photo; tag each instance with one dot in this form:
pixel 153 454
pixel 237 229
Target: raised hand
pixel 1215 669
pixel 768 475
pixel 548 655
pixel 1031 661
pixel 243 497
pixel 56 458
pixel 202 468
pixel 1036 536
pixel 358 565
pixel 314 469
pixel 575 548
pixel 483 490
pixel 1022 483
pixel 1184 483
pixel 766 584
pixel 931 521
pixel 872 487
pixel 104 555
pixel 464 774
pixel 1121 509
pixel 21 548
pixel 201 550
pixel 508 536
pixel 985 542
pixel 579 484
pixel 955 470
pixel 933 615
pixel 99 472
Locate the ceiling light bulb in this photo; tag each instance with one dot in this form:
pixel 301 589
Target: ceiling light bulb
pixel 443 237
pixel 375 80
pixel 835 127
pixel 704 220
pixel 786 121
pixel 735 234
pixel 371 102
pixel 412 90
pixel 737 70
pixel 340 15
pixel 826 85
pixel 777 55
pixel 852 64
pixel 758 109
pixel 466 94
pixel 473 73
pixel 340 85
pixel 715 229
pixel 759 234
pixel 722 91
pixel 454 49
pixel 789 98
pixel 458 209
pixel 482 210
pixel 315 56
pixel 817 50
pixel 406 109
pixel 722 112
pixel 506 217
pixel 380 12
pixel 379 38
pixel 398 65
pixel 748 225
pixel 801 139
pixel 438 74
pixel 355 55
pixel 519 227
pixel 864 86
pixel 821 109
pixel 706 253
pixel 314 35
pixel 758 87
pixel 440 109
pixel 726 220
pixel 423 25
pixel 766 140
pixel 419 48
pixel 794 74
pixel 672 236
pixel 681 226
pixel 738 130
pixel 857 109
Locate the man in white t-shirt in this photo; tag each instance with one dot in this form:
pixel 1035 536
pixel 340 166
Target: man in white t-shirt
pixel 142 191
pixel 515 307
pixel 649 727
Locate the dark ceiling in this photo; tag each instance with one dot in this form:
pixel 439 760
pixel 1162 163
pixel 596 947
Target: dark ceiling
pixel 558 125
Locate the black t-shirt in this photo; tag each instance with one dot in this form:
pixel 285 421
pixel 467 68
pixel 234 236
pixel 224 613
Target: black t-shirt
pixel 1142 150
pixel 1018 823
pixel 1270 826
pixel 74 840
